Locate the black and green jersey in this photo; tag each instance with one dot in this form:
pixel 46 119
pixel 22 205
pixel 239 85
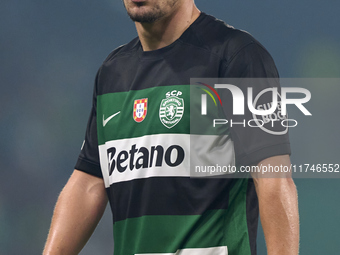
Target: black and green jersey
pixel 138 141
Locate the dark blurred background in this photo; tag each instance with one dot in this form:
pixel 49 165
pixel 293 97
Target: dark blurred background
pixel 49 54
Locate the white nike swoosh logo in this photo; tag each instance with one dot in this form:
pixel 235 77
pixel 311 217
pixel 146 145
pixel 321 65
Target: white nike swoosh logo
pixel 105 121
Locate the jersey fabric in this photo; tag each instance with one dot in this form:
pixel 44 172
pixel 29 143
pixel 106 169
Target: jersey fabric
pixel 138 141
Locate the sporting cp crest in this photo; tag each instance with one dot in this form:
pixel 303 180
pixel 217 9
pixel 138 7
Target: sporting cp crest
pixel 140 108
pixel 171 111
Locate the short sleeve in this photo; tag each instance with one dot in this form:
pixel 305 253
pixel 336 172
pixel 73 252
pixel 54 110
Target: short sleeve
pixel 253 67
pixel 88 160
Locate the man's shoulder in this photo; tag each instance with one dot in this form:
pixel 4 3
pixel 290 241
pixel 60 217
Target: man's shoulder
pixel 219 37
pixel 124 50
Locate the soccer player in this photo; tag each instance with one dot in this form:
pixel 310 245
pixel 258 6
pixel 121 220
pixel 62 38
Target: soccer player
pixel 136 149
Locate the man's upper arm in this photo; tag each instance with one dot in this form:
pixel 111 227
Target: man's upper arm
pixel 259 138
pixel 273 167
pixel 88 160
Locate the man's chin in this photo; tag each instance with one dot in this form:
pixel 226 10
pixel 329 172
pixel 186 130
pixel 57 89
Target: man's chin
pixel 143 17
pixel 144 14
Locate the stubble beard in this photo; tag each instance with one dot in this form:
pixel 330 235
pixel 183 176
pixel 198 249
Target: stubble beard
pixel 146 17
pixel 151 15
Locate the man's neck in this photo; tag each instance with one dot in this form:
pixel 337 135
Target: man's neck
pixel 165 31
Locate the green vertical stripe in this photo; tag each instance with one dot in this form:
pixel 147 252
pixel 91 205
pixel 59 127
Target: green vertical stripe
pixel 236 234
